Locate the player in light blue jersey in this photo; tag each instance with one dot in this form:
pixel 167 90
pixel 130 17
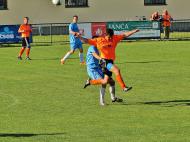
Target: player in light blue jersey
pixel 92 62
pixel 94 71
pixel 75 42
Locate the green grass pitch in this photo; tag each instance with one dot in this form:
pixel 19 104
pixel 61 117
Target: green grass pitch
pixel 43 101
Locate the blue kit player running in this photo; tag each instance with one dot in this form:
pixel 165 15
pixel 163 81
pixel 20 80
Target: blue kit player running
pixel 75 42
pixel 95 72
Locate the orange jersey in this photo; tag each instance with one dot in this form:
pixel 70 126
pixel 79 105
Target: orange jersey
pixel 166 20
pixel 106 46
pixel 26 28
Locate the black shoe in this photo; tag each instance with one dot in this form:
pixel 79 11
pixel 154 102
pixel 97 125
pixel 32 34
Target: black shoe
pixel 87 83
pixel 126 89
pixel 117 100
pixel 19 58
pixel 28 58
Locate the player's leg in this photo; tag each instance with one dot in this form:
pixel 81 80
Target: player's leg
pixel 28 48
pixel 102 94
pixel 96 77
pixel 99 81
pixel 22 49
pixel 167 32
pixel 81 56
pixel 113 68
pixel 20 53
pixel 112 88
pixel 97 74
pixel 112 91
pixel 68 54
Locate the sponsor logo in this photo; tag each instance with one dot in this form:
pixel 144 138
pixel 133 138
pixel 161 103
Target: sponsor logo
pixel 99 32
pixel 155 25
pixel 121 26
pixel 6 33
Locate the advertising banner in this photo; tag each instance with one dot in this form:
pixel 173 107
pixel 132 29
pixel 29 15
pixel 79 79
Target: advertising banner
pixel 148 29
pixel 9 34
pixel 85 29
pixel 98 29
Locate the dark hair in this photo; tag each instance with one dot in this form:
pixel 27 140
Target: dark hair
pixel 26 18
pixel 109 32
pixel 75 16
pixel 96 36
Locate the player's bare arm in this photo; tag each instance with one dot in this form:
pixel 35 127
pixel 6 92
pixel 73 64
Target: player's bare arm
pixel 102 61
pixel 96 56
pixel 85 40
pixel 127 34
pixel 20 31
pixel 74 33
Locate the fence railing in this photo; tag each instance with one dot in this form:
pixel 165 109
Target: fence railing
pixel 58 32
pixel 180 29
pixel 50 33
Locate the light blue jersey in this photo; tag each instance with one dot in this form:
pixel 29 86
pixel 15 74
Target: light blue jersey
pixel 93 68
pixel 75 42
pixel 91 61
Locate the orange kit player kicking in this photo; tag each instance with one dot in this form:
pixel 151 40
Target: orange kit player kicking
pixel 25 30
pixel 106 46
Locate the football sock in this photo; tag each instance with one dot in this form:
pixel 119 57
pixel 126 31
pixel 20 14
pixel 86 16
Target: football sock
pixel 96 82
pixel 112 92
pixel 102 94
pixel 120 81
pixel 27 52
pixel 66 56
pixel 81 57
pixel 21 51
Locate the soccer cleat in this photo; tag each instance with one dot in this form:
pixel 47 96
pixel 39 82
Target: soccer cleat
pixel 82 63
pixel 28 58
pixel 62 62
pixel 102 104
pixel 87 83
pixel 126 89
pixel 116 99
pixel 19 58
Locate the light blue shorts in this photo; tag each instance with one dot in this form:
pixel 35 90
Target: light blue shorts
pixel 75 46
pixel 109 66
pixel 95 73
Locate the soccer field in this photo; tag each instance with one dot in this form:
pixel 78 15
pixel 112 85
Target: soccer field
pixel 43 101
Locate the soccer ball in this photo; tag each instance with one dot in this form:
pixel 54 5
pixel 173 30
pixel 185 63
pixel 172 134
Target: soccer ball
pixel 56 2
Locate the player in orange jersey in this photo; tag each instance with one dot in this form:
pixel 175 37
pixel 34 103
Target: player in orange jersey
pixel 25 30
pixel 106 46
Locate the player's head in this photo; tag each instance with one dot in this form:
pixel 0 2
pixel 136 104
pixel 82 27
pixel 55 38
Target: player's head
pixel 75 19
pixel 26 19
pixel 165 12
pixel 156 13
pixel 109 32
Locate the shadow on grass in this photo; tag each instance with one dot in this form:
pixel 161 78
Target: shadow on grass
pixel 171 103
pixel 28 134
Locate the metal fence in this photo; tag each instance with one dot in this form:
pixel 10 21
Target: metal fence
pixel 58 32
pixel 50 33
pixel 180 30
pixel 44 34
